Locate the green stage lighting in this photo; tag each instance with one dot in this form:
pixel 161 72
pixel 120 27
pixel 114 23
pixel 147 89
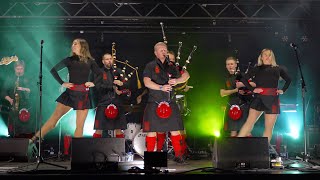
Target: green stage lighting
pixel 3 128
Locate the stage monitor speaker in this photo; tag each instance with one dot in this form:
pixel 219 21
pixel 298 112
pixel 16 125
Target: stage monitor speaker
pixel 155 159
pixel 313 136
pixel 241 153
pixel 316 151
pixel 17 150
pixel 97 153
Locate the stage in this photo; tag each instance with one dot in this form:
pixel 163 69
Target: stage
pixel 200 167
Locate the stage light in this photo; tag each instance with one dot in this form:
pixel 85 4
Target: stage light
pixel 294 131
pixel 285 38
pixel 3 128
pixel 216 133
pixel 89 124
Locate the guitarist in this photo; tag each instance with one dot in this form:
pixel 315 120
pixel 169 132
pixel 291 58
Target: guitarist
pixel 17 96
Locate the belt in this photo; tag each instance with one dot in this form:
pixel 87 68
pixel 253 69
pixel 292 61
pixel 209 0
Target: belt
pixel 269 91
pixel 79 87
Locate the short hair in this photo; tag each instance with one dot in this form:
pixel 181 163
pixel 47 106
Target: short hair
pixel 19 63
pixel 107 53
pixel 231 58
pixel 160 44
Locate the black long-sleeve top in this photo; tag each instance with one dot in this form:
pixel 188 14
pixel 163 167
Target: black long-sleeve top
pixel 160 73
pixel 267 76
pixel 104 82
pixel 78 71
pixel 104 86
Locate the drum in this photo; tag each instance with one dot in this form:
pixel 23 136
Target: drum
pixel 131 131
pixel 139 143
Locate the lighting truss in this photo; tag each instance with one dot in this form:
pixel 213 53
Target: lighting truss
pixel 144 16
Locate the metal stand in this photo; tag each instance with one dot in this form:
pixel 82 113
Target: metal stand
pixel 39 157
pixel 59 154
pixel 303 91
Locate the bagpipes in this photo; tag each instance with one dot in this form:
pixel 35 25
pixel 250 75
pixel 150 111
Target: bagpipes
pixel 240 75
pixel 235 111
pixel 177 59
pixel 163 109
pixel 123 74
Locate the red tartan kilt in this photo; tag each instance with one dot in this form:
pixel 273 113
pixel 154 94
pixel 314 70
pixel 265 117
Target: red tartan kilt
pixel 153 123
pixel 78 100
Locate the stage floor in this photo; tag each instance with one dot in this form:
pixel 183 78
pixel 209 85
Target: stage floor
pixel 293 168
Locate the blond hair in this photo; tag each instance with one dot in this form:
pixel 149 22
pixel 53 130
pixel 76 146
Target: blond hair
pixel 85 54
pixel 160 44
pixel 273 58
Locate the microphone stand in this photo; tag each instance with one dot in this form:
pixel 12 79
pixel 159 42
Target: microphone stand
pixel 59 158
pixel 303 91
pixel 40 158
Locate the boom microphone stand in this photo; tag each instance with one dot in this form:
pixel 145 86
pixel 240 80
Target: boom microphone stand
pixel 40 158
pixel 303 91
pixel 59 155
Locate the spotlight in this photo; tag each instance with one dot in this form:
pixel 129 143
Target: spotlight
pixel 214 22
pixel 285 38
pixel 304 38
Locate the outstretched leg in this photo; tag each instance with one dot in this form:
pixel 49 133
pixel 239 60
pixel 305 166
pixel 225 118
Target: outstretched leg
pixel 60 110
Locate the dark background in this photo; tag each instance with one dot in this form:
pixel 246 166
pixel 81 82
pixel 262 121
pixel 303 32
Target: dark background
pixel 215 40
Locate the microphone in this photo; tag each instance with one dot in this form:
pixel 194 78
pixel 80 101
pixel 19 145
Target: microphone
pixel 42 41
pixel 293 45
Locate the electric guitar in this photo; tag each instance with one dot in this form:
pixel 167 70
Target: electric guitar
pixel 8 60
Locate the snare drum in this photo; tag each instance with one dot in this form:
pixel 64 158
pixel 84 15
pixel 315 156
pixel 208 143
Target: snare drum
pixel 131 131
pixel 139 143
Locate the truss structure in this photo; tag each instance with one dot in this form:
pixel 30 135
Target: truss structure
pixel 145 15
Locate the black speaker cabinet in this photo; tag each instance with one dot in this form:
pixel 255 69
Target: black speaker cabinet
pixel 97 153
pixel 18 150
pixel 241 153
pixel 313 136
pixel 155 159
